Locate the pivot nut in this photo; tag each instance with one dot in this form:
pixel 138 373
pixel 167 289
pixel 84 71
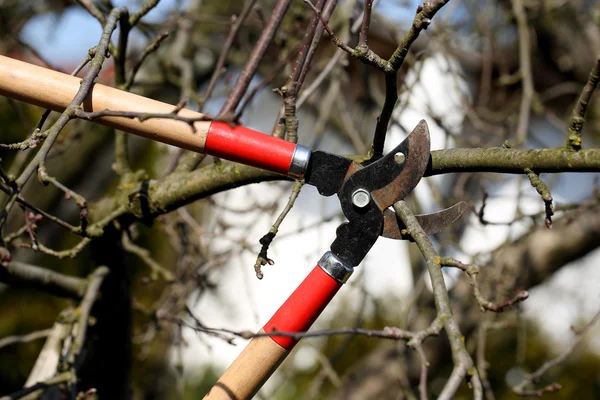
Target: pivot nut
pixel 361 198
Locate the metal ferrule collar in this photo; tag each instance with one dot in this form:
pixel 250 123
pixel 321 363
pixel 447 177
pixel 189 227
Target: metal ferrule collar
pixel 335 267
pixel 300 161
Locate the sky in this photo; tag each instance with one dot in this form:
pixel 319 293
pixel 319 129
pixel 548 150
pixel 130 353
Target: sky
pixel 60 40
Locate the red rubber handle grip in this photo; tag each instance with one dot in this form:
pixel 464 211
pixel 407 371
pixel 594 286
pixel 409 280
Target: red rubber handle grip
pixel 303 307
pixel 247 146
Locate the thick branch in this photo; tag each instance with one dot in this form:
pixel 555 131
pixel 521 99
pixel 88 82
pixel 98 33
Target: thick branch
pixel 366 21
pixel 177 190
pixel 513 161
pixel 153 198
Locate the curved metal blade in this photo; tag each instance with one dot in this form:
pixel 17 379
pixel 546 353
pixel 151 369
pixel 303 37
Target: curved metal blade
pixel 416 150
pixel 393 227
pixel 388 179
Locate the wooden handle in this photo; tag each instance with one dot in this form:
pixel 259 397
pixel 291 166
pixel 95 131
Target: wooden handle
pixel 54 90
pixel 263 354
pixel 249 371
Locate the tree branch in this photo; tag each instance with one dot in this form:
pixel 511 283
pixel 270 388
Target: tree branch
pixel 65 117
pixel 462 360
pixel 543 191
pixel 152 198
pixel 512 161
pixel 85 307
pixel 525 70
pixel 473 272
pixel 39 387
pixel 522 389
pixel 24 275
pixel 10 340
pixel 266 37
pixel 266 240
pixel 219 67
pixel 578 116
pixel 143 10
pixel 146 257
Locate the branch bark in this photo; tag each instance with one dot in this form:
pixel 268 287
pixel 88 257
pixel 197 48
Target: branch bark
pixel 463 363
pixel 152 198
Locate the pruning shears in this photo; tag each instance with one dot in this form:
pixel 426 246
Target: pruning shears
pixel 366 192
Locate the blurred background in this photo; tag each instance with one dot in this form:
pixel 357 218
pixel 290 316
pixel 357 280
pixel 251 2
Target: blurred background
pixel 469 76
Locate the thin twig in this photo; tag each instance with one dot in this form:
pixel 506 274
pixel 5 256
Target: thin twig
pixel 266 240
pixel 61 378
pixel 143 10
pixel 578 116
pixel 339 54
pixel 265 39
pixel 145 256
pixel 65 117
pixel 151 48
pixel 473 272
pixel 421 21
pixel 326 13
pixel 522 388
pixel 366 21
pixel 85 307
pixel 391 333
pixel 417 343
pixel 69 194
pixel 121 164
pixel 142 116
pixel 463 362
pixel 306 93
pixel 237 22
pixel 543 191
pixel 279 67
pixel 525 70
pixel 93 10
pixel 334 38
pixel 10 340
pixel 60 254
pixel 482 364
pixel 293 84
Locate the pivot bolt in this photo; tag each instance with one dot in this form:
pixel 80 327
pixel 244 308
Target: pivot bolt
pixel 361 198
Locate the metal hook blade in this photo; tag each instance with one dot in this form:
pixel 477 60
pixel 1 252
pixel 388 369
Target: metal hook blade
pixel 431 223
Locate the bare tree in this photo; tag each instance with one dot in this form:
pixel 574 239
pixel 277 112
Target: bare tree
pixel 83 251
